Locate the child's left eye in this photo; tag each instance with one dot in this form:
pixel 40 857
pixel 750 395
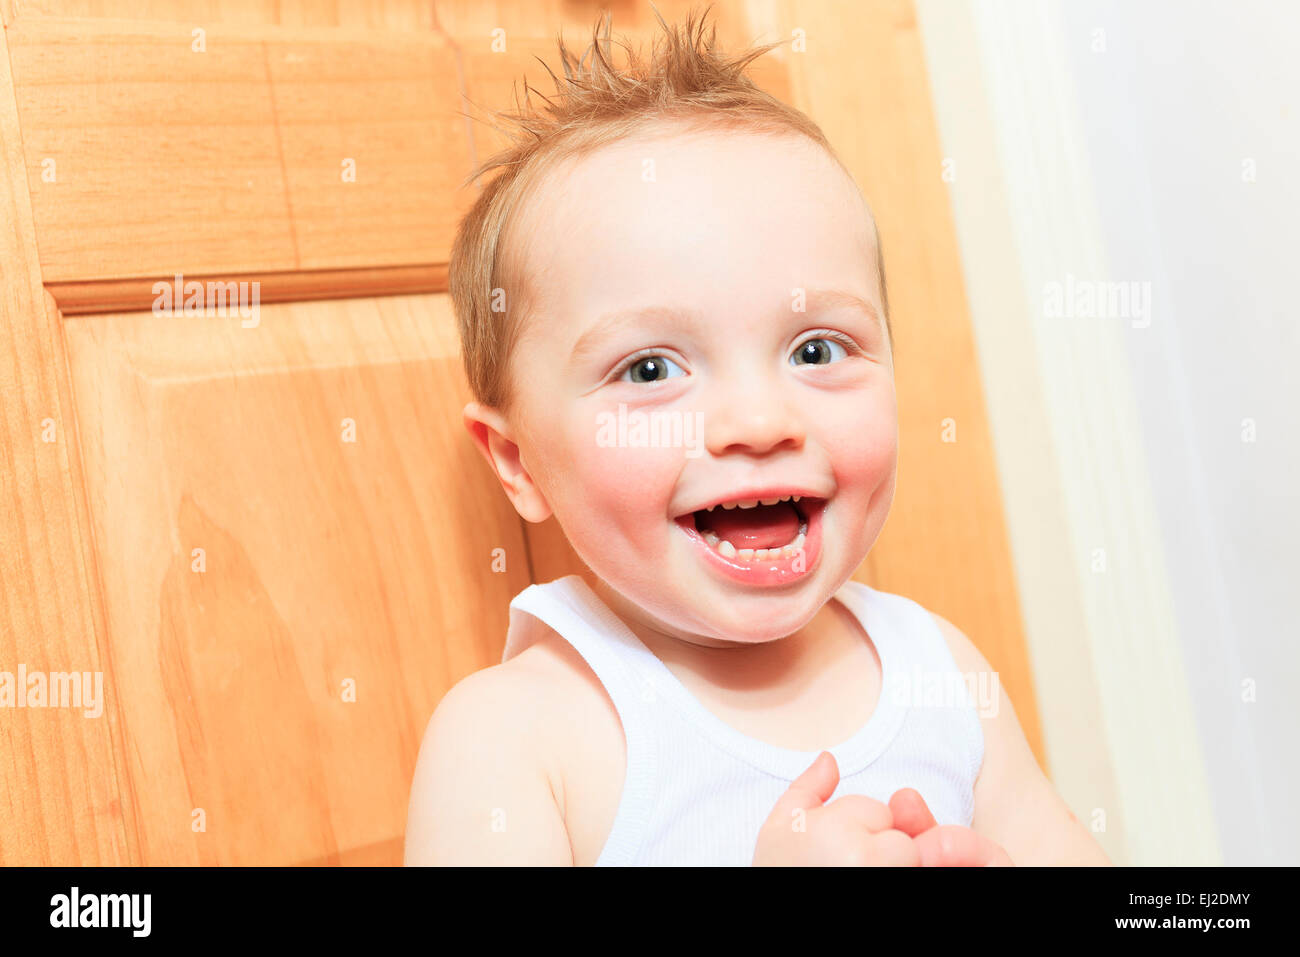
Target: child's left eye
pixel 818 351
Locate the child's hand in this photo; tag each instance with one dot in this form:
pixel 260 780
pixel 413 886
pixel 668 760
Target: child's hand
pixel 948 846
pixel 853 830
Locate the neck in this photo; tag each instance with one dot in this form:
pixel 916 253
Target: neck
pixel 792 660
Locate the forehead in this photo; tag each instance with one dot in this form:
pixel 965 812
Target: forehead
pixel 724 220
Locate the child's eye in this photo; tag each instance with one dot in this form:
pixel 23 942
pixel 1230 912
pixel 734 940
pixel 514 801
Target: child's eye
pixel 818 351
pixel 651 368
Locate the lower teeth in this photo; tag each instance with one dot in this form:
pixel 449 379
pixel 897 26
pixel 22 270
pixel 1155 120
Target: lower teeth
pixel 728 550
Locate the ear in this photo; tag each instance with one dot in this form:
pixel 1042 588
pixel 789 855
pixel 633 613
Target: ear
pixel 495 439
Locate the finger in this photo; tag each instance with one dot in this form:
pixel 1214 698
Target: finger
pixel 893 848
pixel 866 812
pixel 814 787
pixel 951 845
pixel 1000 858
pixel 911 814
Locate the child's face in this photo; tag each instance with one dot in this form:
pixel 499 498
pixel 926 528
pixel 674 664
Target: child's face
pixel 732 262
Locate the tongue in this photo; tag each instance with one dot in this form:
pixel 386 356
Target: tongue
pixel 764 526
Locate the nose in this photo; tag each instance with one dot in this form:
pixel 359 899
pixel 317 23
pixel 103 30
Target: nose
pixel 756 420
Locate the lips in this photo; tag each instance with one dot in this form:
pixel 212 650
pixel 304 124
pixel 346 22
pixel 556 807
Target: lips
pixel 776 563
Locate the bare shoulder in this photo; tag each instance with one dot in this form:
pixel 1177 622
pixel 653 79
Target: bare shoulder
pixel 1006 750
pixel 487 783
pixel 964 652
pixel 1015 803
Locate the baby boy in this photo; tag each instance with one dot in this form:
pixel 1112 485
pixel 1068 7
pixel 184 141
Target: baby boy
pixel 667 246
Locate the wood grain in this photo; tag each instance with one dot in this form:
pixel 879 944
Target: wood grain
pixel 391 15
pixel 139 295
pixel 60 786
pixel 271 150
pixel 324 561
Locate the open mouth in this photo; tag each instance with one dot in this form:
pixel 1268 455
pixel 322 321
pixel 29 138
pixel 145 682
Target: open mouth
pixel 755 530
pixel 772 533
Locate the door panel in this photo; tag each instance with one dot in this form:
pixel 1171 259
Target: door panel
pixel 270 150
pixel 296 549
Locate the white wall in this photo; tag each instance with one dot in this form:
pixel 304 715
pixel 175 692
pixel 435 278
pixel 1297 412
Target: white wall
pixel 1106 141
pixel 1184 98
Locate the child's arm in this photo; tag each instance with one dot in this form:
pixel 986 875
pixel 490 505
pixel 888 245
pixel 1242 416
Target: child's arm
pixel 1015 805
pixel 481 793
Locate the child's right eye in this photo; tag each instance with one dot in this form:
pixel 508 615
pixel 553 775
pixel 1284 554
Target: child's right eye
pixel 650 368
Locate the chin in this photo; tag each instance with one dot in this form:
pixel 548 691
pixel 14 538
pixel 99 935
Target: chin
pixel 757 616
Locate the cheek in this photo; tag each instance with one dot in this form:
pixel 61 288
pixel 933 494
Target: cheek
pixel 606 494
pixel 863 444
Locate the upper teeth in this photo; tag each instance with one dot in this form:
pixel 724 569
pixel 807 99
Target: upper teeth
pixel 755 502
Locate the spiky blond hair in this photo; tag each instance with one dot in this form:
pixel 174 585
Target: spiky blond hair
pixel 686 80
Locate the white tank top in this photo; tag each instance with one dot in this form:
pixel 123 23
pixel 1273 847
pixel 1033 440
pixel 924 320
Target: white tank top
pixel 697 790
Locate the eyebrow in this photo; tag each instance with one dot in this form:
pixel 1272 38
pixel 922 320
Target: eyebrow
pixel 820 300
pixel 815 300
pixel 610 323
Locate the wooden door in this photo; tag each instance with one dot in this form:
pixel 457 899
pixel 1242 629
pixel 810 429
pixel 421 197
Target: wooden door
pixel 269 533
